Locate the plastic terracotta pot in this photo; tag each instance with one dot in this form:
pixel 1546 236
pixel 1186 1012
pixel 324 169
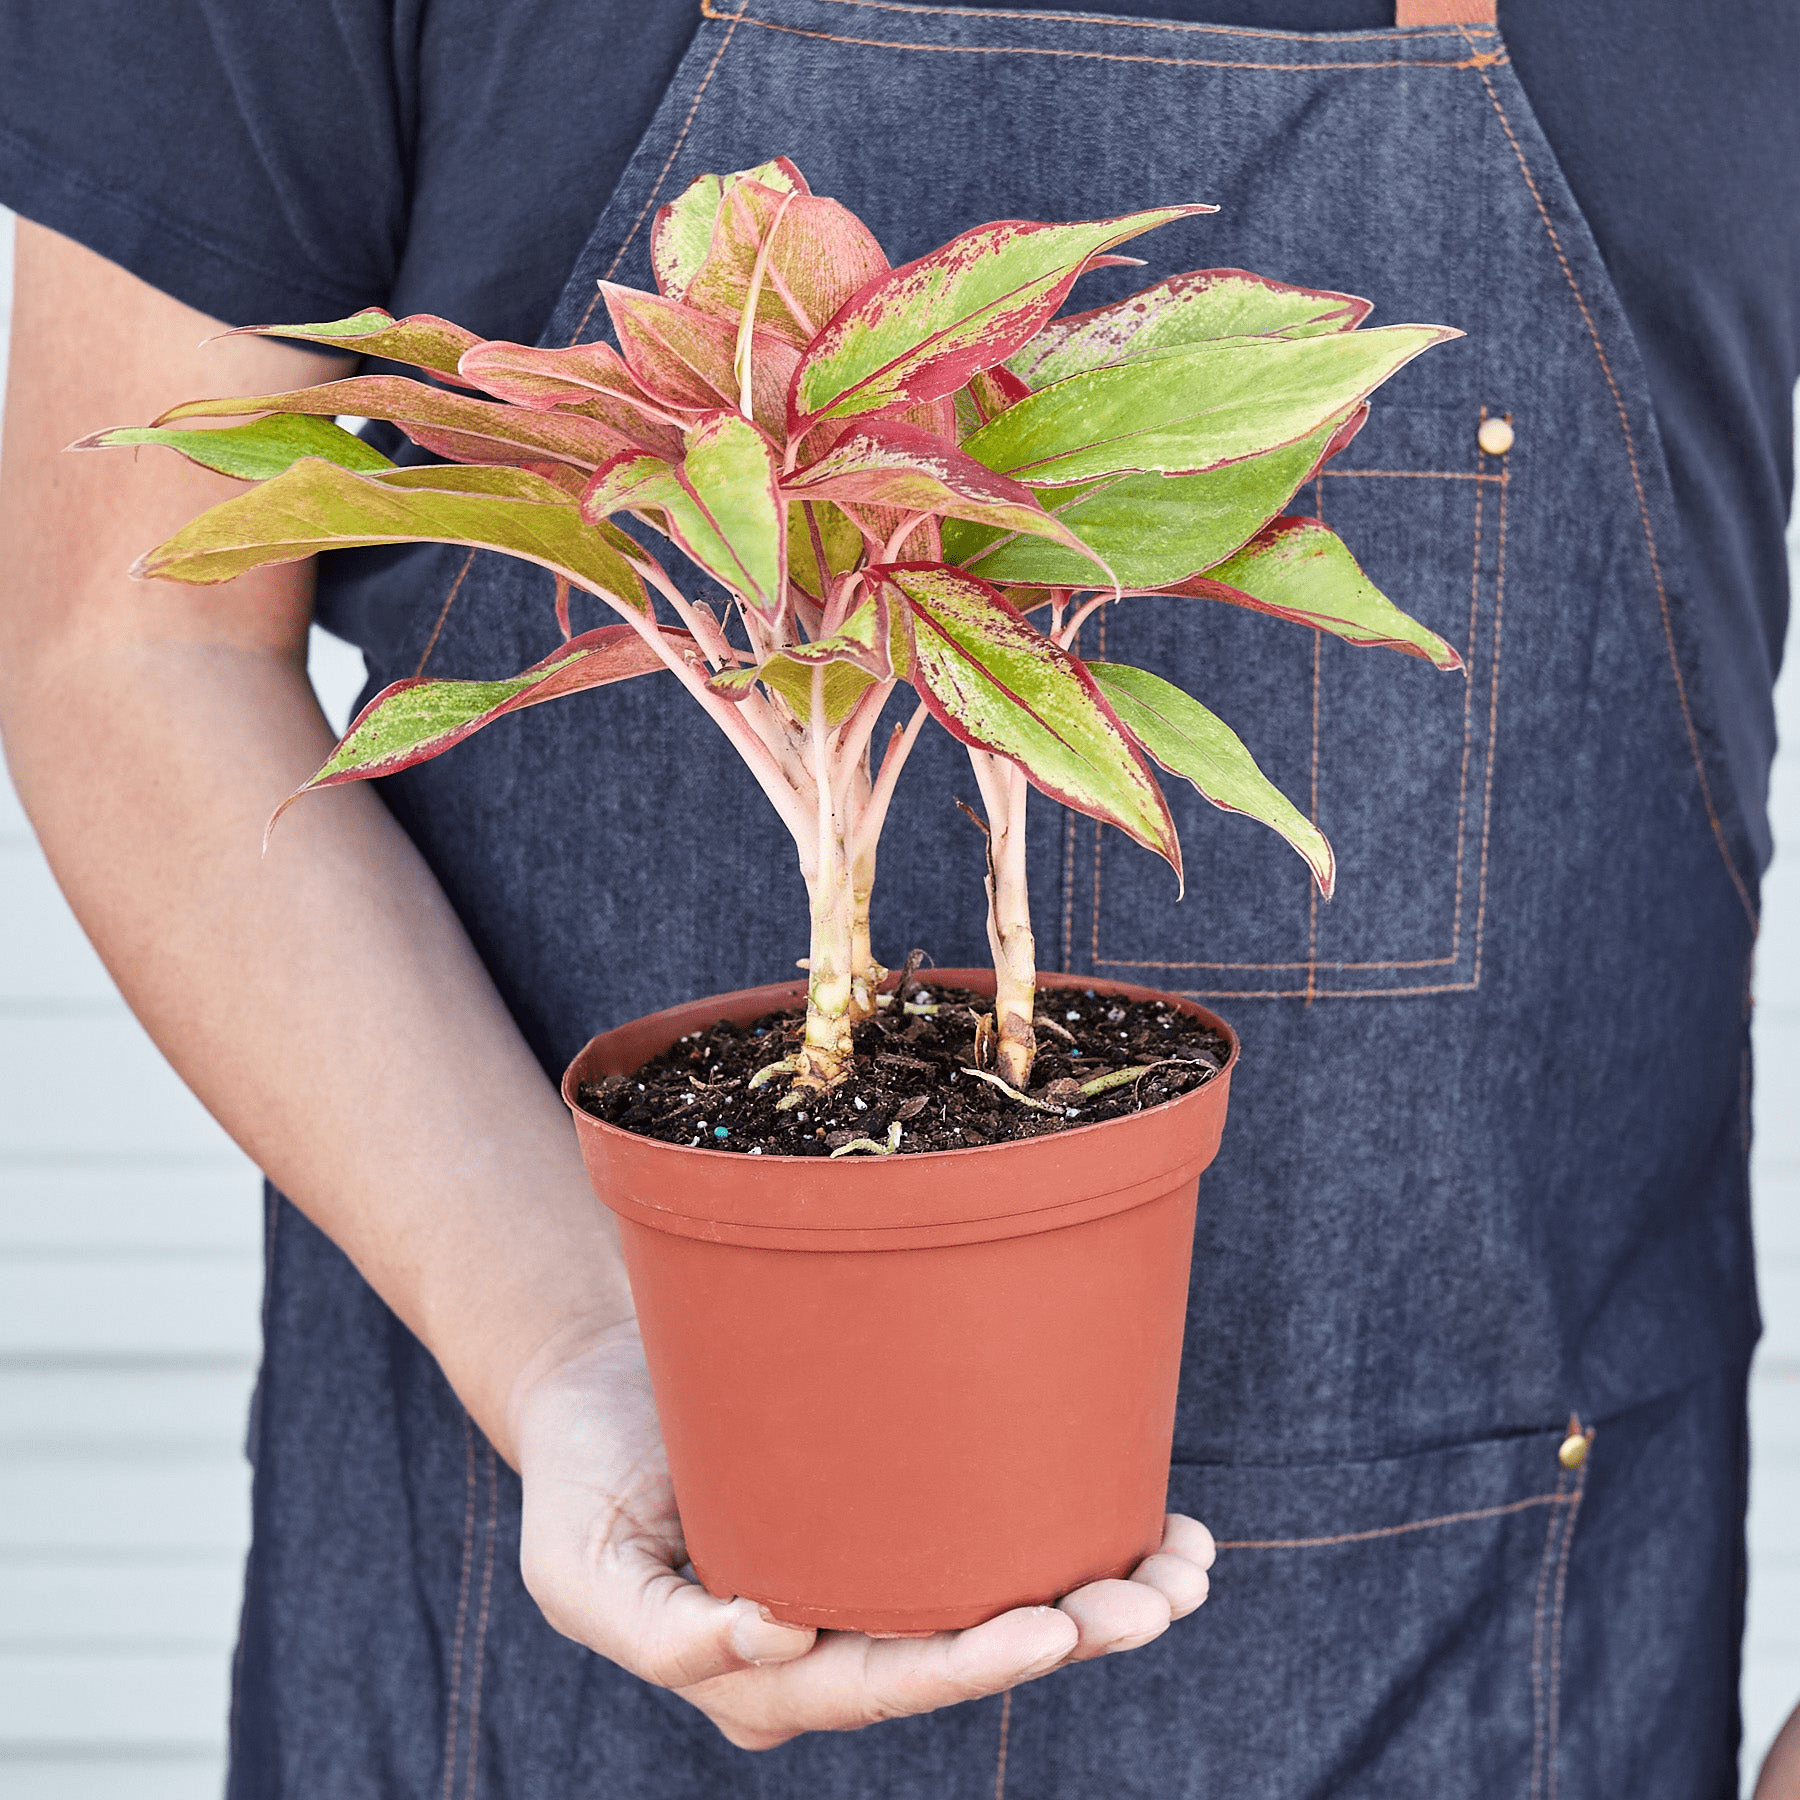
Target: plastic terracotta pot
pixel 902 1394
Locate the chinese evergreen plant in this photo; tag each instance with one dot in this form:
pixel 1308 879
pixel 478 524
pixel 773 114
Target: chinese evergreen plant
pixel 901 477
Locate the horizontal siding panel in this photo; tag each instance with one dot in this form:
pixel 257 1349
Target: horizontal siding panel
pixel 131 1698
pixel 127 1209
pixel 1774 1626
pixel 86 1087
pixel 44 955
pixel 1777 1119
pixel 196 1776
pixel 1777 1203
pixel 1770 1687
pixel 53 1306
pixel 115 1505
pixel 64 1606
pixel 47 1411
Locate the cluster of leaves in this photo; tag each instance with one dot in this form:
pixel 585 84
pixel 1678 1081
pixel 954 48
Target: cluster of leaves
pixel 918 475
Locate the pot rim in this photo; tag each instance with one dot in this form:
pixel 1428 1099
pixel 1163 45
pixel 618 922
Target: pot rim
pixel 783 993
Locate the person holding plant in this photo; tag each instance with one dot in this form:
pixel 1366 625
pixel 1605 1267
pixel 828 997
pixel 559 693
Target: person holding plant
pixel 1441 1223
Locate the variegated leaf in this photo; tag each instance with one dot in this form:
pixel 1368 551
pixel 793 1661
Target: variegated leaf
pixel 251 452
pixel 882 462
pixel 994 681
pixel 848 662
pixel 591 379
pixel 682 232
pixel 1186 309
pixel 1302 570
pixel 478 430
pixel 316 505
pixel 1199 746
pixel 1151 529
pixel 721 505
pixel 838 538
pixel 422 339
pixel 922 331
pixel 1194 409
pixel 686 357
pixel 820 253
pixel 411 721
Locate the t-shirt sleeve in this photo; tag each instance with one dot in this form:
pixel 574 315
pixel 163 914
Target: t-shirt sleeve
pixel 251 160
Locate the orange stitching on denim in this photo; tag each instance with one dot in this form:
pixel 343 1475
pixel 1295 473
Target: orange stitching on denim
pixel 1068 909
pixel 1462 781
pixel 1388 1531
pixel 1409 474
pixel 1537 1650
pixel 1299 993
pixel 1312 887
pixel 687 124
pixel 487 1586
pixel 1480 61
pixel 1487 786
pixel 443 614
pixel 1094 922
pixel 575 337
pixel 1005 1733
pixel 1336 968
pixel 1662 594
pixel 1556 1625
pixel 1043 18
pixel 1311 991
pixel 462 1611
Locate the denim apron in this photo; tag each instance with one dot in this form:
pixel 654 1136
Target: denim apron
pixel 1486 1160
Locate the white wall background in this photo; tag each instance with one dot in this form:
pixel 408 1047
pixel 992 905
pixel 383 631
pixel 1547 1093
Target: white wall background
pixel 130 1270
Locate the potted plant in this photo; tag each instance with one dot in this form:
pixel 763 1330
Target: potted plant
pixel 910 1261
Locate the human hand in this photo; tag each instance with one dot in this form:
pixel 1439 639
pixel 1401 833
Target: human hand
pixel 603 1556
pixel 1780 1777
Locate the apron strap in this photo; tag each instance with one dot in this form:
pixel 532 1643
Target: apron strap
pixel 1444 12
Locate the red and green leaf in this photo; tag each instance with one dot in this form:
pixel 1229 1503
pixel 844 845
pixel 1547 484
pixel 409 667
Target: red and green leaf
pixel 686 357
pixel 409 722
pixel 251 452
pixel 1194 409
pixel 682 232
pixel 1150 529
pixel 454 425
pixel 1302 570
pixel 722 505
pixel 1186 309
pixel 591 379
pixel 820 253
pixel 848 662
pixel 920 332
pixel 884 462
pixel 838 538
pixel 1200 747
pixel 993 680
pixel 316 505
pixel 422 339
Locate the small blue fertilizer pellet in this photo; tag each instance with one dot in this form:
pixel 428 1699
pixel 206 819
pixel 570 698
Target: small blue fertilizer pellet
pixel 721 1131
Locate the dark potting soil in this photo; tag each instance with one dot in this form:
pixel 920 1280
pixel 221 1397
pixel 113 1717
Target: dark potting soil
pixel 1099 1057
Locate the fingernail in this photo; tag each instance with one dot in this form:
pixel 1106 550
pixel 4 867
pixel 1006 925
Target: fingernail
pixel 759 1637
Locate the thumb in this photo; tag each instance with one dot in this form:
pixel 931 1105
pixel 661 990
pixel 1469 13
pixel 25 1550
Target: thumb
pixel 672 1632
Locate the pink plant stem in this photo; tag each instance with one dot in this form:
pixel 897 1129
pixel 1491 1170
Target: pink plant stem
pixel 764 765
pixel 1072 630
pixel 1003 795
pixel 831 966
pixel 874 812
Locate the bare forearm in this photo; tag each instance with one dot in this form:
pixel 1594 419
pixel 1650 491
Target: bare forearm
pixel 323 1000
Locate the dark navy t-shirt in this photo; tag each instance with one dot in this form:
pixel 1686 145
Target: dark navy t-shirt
pixel 267 163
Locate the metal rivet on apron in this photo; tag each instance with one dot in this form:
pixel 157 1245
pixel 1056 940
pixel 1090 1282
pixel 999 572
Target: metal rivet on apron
pixel 1495 437
pixel 1572 1452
